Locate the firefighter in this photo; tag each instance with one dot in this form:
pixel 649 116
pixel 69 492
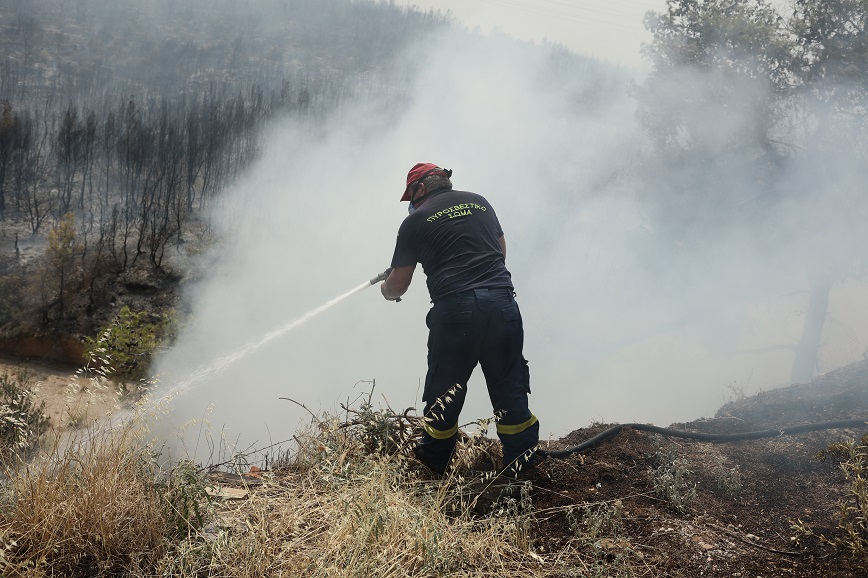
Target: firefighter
pixel 474 318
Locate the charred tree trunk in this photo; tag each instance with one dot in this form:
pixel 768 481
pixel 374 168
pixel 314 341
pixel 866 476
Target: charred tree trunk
pixel 805 363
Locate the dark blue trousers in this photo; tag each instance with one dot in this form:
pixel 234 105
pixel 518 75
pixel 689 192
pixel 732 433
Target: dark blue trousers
pixel 484 327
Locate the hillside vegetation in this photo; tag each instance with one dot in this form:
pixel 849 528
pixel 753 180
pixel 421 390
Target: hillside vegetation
pixel 121 125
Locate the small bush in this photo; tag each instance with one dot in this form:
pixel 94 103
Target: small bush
pixel 729 482
pixel 128 343
pixel 670 476
pixel 10 296
pixel 591 522
pixel 597 530
pixel 22 421
pixel 853 513
pixel 187 502
pixel 853 516
pixel 379 430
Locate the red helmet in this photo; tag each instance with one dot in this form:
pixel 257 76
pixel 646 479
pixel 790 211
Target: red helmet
pixel 419 172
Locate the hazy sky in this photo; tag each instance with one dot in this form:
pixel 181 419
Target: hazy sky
pixel 612 30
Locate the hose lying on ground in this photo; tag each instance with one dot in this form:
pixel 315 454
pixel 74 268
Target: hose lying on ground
pixel 704 437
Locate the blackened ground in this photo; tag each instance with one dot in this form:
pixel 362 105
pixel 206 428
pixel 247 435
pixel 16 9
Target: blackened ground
pixel 751 497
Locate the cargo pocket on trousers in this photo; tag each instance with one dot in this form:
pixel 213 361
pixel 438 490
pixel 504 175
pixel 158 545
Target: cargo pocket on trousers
pixel 525 375
pixel 510 314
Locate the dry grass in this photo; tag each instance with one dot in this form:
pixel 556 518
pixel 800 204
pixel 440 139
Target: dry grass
pixel 101 505
pixel 97 502
pixel 340 511
pixel 87 504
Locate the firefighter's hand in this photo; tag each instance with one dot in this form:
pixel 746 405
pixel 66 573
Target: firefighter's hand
pixel 396 283
pixel 386 297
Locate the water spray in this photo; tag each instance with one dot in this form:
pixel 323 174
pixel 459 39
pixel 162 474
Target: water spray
pixel 209 370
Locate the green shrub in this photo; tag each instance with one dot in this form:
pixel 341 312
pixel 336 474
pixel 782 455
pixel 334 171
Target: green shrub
pixel 187 503
pixel 670 476
pixel 127 345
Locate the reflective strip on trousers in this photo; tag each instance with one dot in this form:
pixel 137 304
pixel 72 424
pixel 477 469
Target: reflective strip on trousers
pixel 517 428
pixel 438 434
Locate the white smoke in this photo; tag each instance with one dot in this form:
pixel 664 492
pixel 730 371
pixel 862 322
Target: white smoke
pixel 552 147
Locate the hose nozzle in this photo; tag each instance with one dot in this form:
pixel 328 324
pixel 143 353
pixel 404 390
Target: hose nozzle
pixel 381 277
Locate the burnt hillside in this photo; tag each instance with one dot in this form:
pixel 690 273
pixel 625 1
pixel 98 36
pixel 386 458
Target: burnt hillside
pixel 132 120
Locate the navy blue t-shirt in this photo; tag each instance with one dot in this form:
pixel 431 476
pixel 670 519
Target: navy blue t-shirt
pixel 455 236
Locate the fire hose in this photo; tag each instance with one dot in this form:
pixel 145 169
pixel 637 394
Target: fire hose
pixel 381 277
pixel 705 437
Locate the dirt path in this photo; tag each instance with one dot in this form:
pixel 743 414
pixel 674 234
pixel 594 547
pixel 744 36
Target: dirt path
pixel 70 399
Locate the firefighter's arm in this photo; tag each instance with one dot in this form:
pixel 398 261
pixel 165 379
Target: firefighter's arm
pixel 503 246
pixel 397 283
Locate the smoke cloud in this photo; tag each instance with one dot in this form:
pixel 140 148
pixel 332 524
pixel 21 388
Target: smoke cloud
pixel 614 330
